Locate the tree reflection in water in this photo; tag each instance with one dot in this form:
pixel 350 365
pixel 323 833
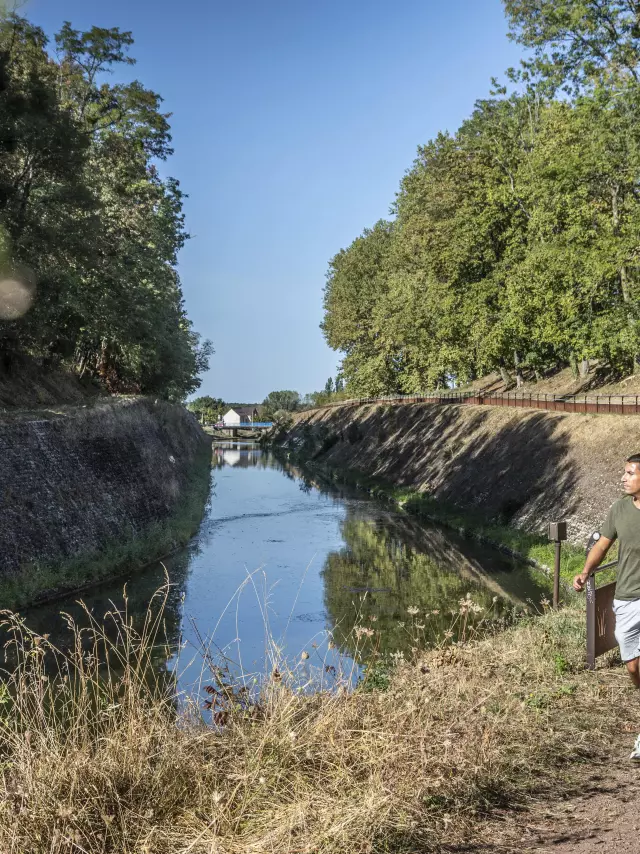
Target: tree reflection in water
pixel 397 585
pixel 388 581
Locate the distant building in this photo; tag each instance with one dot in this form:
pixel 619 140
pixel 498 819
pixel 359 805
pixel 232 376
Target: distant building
pixel 240 415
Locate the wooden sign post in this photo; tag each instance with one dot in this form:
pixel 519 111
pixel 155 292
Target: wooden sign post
pixel 557 533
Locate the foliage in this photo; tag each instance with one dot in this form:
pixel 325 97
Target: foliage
pixel 289 401
pixel 88 221
pixel 514 242
pixel 282 418
pixel 208 409
pixel 576 42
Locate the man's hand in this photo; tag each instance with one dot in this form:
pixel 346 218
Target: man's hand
pixel 579 581
pixel 594 559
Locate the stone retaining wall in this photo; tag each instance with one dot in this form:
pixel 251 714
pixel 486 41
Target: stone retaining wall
pixel 70 484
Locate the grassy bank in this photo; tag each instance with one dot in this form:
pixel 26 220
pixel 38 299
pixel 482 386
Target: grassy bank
pixel 41 582
pixel 529 546
pixel 96 762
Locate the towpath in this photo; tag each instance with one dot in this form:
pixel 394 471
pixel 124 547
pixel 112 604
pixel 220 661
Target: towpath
pixel 604 818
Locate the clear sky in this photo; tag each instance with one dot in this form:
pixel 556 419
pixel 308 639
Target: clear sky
pixel 293 122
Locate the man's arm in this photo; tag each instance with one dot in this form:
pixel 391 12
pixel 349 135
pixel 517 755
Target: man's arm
pixel 594 559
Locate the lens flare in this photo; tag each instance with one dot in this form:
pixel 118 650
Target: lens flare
pixel 16 297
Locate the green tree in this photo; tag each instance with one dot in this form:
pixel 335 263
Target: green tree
pixel 208 409
pixel 575 42
pixel 288 401
pixel 514 242
pixel 87 215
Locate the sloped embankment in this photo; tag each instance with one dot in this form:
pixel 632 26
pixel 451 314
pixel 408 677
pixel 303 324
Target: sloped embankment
pixel 95 479
pixel 521 467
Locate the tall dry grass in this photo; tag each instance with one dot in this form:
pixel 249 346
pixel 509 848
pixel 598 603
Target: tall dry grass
pixel 97 757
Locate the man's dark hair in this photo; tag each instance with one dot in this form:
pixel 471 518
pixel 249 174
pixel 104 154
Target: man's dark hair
pixel 634 458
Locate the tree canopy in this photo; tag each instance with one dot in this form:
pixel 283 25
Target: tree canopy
pixel 280 401
pixel 514 241
pixel 207 408
pixel 89 229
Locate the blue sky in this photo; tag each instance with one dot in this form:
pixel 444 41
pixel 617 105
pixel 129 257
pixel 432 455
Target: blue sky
pixel 293 122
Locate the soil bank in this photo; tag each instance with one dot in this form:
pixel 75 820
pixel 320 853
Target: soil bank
pixel 521 468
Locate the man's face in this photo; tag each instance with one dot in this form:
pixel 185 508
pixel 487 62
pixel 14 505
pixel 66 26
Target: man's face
pixel 631 479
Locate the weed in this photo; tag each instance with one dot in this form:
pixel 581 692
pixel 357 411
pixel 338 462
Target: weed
pixel 99 757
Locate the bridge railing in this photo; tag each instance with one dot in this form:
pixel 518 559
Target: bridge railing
pixel 245 425
pixel 612 404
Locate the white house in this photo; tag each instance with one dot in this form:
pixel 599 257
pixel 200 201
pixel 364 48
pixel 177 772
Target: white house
pixel 240 415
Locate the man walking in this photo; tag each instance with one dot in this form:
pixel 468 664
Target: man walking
pixel 623 524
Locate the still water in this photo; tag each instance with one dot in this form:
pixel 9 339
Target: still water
pixel 283 567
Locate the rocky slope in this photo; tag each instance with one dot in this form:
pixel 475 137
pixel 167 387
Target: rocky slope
pixel 71 483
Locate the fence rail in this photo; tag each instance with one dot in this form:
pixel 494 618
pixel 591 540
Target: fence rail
pixel 612 404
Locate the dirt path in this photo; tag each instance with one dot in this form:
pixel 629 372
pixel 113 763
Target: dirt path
pixel 604 818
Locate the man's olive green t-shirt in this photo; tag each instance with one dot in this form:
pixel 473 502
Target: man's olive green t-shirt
pixel 623 524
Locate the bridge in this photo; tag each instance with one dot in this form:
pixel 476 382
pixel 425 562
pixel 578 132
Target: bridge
pixel 232 429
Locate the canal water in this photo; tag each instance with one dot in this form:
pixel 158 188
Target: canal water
pixel 286 572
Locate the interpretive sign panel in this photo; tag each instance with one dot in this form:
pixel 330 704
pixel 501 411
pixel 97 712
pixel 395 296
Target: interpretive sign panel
pixel 600 620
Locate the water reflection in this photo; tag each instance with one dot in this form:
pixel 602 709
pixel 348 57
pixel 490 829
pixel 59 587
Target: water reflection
pixel 111 605
pixel 397 584
pixel 285 565
pixel 241 454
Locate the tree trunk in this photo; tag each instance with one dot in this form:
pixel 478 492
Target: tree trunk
pixel 516 363
pixel 583 369
pixel 506 377
pixel 624 277
pixel 573 364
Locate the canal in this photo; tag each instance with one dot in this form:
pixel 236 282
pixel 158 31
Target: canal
pixel 287 572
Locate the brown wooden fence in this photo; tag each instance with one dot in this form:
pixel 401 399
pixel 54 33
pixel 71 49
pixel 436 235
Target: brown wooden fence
pixel 621 404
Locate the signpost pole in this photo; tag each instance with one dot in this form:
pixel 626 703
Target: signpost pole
pixel 556 575
pixel 557 533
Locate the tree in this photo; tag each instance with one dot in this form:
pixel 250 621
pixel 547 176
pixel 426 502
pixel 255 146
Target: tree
pixel 87 215
pixel 514 242
pixel 576 42
pixel 208 409
pixel 288 401
pixel 328 387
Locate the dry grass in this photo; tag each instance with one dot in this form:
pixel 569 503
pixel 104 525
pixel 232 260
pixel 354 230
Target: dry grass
pixel 101 760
